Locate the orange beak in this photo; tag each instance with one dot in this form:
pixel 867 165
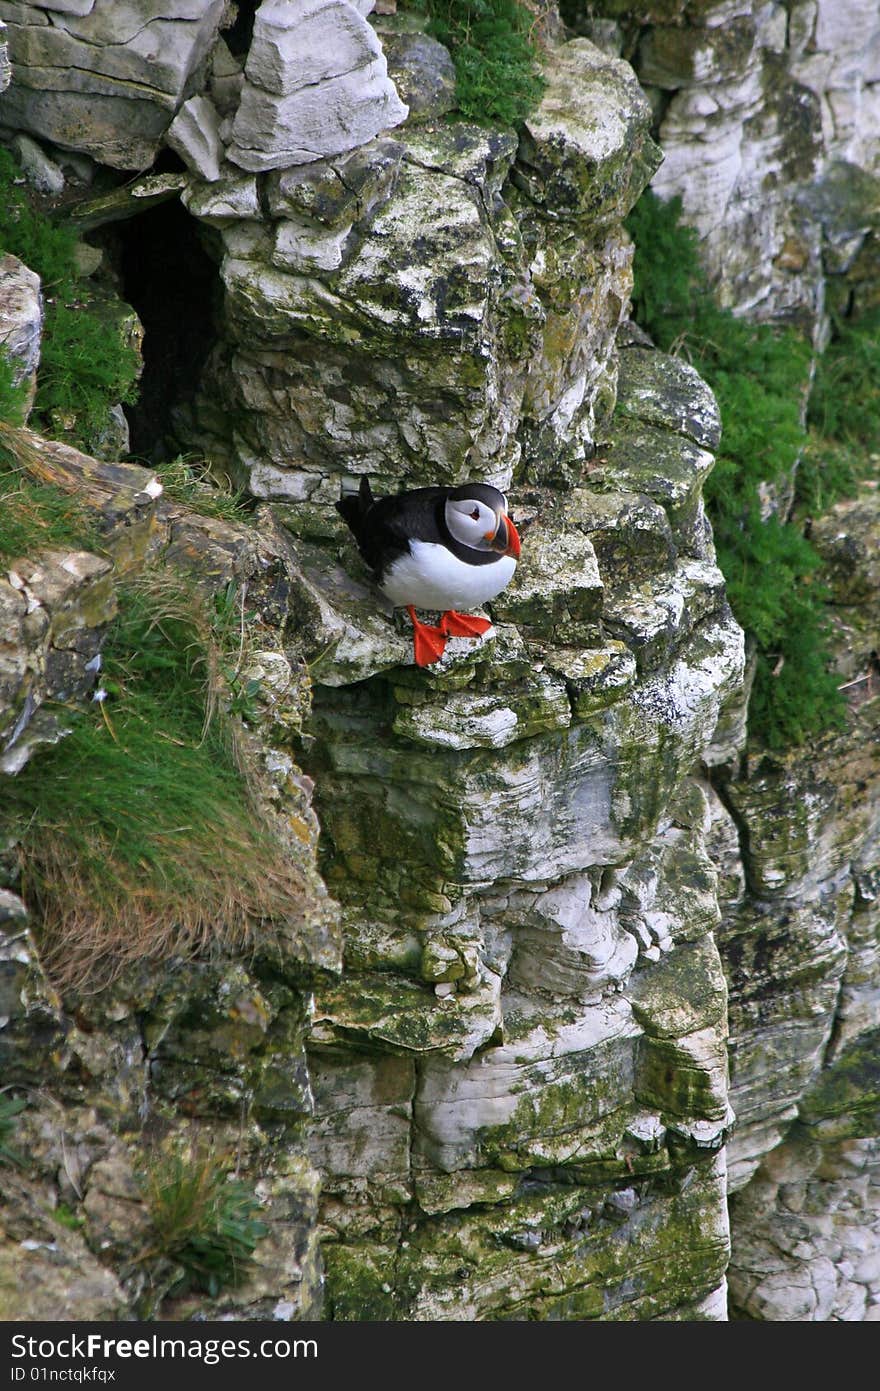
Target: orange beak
pixel 506 538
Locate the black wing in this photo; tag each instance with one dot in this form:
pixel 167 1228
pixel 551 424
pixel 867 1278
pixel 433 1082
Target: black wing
pixel 383 527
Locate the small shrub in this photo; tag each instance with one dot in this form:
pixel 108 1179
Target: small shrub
pixel 201 1219
pixel 45 249
pixel 844 417
pixel 759 375
pixel 829 471
pixel 492 46
pixel 85 368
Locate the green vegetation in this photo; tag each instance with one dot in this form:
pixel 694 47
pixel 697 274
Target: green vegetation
pixel 35 513
pixel 86 364
pixel 10 1107
pixel 190 480
pixel 12 394
pixel 68 1217
pixel 845 399
pixel 760 377
pixel 844 416
pixel 138 835
pixel 493 47
pixel 201 1219
pixel 85 368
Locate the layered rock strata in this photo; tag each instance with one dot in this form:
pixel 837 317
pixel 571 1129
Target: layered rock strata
pixel 768 118
pixel 801 945
pixel 531 1026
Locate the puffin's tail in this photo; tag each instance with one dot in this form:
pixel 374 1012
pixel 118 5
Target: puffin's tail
pixel 353 507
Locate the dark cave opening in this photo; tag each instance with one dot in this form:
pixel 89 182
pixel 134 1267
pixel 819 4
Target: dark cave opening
pixel 172 283
pixel 238 35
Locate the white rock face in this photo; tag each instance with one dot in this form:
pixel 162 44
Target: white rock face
pixel 762 100
pixel 316 84
pixel 5 71
pixel 105 76
pixel 21 318
pixel 195 135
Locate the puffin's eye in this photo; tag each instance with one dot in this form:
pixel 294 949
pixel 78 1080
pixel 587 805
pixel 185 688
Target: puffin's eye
pixel 476 514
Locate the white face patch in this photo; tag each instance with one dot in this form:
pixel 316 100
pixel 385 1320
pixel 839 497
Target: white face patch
pixel 472 522
pixel 431 577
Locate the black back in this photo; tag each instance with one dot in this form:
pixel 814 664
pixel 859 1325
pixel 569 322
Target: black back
pixel 383 527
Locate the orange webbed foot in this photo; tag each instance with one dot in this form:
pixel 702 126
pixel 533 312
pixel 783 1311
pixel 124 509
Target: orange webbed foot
pixel 429 643
pixel 463 625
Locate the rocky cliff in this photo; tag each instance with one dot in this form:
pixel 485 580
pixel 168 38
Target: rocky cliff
pixel 577 1018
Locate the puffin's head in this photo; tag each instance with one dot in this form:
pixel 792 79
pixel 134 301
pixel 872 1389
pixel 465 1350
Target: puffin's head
pixel 476 515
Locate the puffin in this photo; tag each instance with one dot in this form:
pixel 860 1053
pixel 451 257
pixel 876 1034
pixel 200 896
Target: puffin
pixel 446 549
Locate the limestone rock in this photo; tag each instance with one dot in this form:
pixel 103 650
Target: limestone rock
pixel 586 151
pixel 316 84
pixel 21 319
pixel 46 1271
pixel 195 135
pixel 107 78
pixel 754 114
pixel 39 170
pixel 423 72
pixel 5 71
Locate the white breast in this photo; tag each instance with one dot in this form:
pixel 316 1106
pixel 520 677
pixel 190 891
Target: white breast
pixel 431 577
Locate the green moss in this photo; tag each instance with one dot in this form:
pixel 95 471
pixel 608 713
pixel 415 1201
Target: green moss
pixel 86 364
pixel 849 1090
pixel 361 1284
pixel 759 376
pixel 492 46
pixel 68 1217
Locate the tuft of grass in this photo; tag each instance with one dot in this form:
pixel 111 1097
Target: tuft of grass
pixel 86 365
pixel 38 515
pixel 493 48
pixel 139 836
pixel 189 479
pixel 10 1107
pixel 759 375
pixel 201 1218
pixel 35 512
